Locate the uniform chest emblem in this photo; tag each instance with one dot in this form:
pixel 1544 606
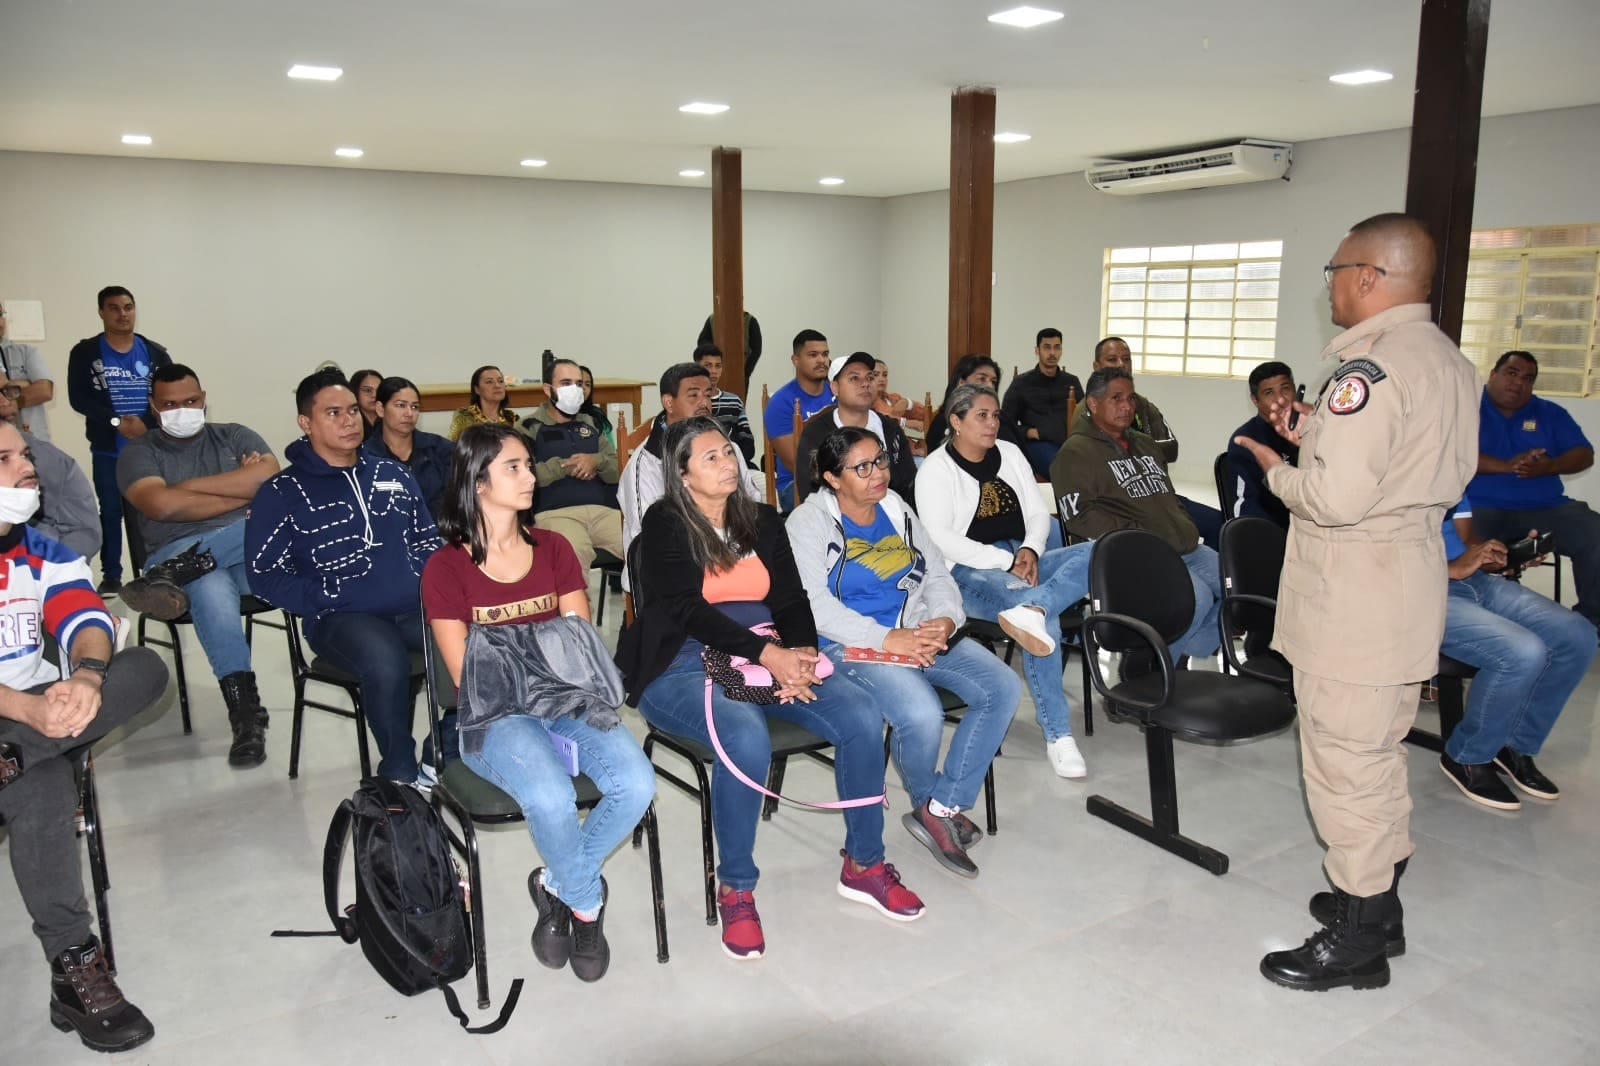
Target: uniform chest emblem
pixel 585 432
pixel 1529 426
pixel 1349 395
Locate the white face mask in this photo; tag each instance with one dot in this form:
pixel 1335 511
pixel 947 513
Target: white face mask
pixel 17 505
pixel 569 398
pixel 183 422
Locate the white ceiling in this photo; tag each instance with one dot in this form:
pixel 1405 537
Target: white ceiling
pixel 855 88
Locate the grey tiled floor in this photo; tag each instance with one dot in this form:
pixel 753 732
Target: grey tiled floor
pixel 1077 942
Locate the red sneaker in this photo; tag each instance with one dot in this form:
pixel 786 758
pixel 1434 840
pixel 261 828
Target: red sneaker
pixel 879 886
pixel 741 925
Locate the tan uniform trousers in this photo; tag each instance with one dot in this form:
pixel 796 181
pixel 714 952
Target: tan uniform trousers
pixel 586 528
pixel 1355 770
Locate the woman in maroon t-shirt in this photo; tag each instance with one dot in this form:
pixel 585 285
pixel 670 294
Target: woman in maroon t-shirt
pixel 496 569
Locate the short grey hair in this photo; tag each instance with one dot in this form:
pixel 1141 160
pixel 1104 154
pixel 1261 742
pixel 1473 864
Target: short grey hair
pixel 962 397
pixel 1101 380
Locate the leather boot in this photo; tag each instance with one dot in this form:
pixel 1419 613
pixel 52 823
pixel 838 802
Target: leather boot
pixel 248 718
pixel 1325 904
pixel 1349 952
pixel 85 997
pixel 158 592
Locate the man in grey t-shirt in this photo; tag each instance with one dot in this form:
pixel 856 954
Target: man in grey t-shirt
pixel 23 366
pixel 190 483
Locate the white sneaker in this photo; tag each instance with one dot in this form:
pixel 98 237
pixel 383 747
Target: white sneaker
pixel 121 629
pixel 1066 759
pixel 1025 625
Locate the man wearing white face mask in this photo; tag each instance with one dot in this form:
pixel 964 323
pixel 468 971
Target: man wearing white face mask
pixel 576 466
pixel 190 483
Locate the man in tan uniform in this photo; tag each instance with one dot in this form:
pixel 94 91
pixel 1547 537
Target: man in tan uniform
pixel 1391 443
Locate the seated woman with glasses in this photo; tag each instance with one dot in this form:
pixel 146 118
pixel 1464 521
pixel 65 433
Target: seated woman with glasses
pixel 426 455
pixel 709 563
pixel 488 402
pixel 878 584
pixel 496 569
pixel 986 517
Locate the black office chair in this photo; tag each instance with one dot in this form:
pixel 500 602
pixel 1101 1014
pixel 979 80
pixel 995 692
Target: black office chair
pixel 1141 598
pixel 1227 494
pixel 323 672
pixel 1250 560
pixel 472 801
pixel 1452 702
pixel 249 608
pixel 610 568
pixel 787 739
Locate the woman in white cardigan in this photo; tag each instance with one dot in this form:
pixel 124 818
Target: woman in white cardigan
pixel 978 498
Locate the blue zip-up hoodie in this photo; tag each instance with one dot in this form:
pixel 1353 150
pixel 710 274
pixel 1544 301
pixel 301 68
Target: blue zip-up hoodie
pixel 323 538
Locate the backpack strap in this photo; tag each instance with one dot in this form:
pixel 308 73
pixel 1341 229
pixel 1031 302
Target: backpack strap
pixel 454 1005
pixel 332 860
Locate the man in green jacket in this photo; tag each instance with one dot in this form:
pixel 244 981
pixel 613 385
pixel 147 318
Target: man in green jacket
pixel 1109 476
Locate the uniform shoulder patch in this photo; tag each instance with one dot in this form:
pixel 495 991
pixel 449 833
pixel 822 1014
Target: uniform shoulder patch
pixel 1349 395
pixel 1365 367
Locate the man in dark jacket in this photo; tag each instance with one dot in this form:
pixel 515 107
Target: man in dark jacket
pixel 1036 402
pixel 108 383
pixel 1270 384
pixel 1109 476
pixel 340 538
pixel 576 466
pixel 853 388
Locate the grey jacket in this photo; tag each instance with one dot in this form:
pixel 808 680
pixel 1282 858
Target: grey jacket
pixel 547 670
pixel 67 509
pixel 817 535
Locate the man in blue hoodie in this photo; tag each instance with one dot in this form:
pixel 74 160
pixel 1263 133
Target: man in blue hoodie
pixel 339 538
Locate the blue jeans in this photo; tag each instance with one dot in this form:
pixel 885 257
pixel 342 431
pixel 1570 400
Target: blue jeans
pixel 1202 639
pixel 214 598
pixel 110 497
pixel 376 648
pixel 1531 653
pixel 518 758
pixel 1063 581
pixel 1040 453
pixel 906 698
pixel 675 702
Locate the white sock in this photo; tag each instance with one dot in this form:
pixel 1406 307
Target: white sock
pixel 939 810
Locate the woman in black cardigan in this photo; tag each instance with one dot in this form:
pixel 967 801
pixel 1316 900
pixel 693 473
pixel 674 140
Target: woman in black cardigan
pixel 710 564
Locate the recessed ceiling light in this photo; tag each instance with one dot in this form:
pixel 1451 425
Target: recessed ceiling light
pixel 1012 138
pixel 135 138
pixel 306 72
pixel 348 153
pixel 1361 77
pixel 691 173
pixel 534 162
pixel 1025 18
pixel 699 107
pixel 830 181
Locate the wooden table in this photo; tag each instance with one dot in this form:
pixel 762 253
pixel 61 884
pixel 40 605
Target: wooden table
pixel 525 396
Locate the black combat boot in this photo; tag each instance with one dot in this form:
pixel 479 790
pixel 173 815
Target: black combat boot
pixel 158 592
pixel 1349 952
pixel 85 997
pixel 248 718
pixel 1324 905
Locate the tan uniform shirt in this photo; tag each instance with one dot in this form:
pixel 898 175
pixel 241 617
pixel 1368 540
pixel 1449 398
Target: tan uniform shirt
pixel 1392 442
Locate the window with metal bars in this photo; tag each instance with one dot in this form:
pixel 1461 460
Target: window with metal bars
pixel 1202 309
pixel 1537 289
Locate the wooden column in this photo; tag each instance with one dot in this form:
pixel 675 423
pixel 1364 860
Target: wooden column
pixel 971 220
pixel 727 265
pixel 1445 118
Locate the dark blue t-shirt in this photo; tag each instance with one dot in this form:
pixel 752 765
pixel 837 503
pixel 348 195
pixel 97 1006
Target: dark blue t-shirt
pixel 127 377
pixel 875 559
pixel 1539 424
pixel 779 418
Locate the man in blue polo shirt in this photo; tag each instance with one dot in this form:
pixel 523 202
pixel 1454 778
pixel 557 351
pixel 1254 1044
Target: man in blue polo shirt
pixel 811 388
pixel 1525 445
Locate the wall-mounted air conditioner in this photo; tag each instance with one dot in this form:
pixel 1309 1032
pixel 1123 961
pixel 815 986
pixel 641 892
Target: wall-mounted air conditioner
pixel 1228 164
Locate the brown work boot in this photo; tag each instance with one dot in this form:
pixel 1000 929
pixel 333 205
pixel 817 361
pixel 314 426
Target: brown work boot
pixel 85 997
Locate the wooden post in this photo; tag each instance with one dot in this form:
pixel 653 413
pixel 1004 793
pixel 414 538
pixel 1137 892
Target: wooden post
pixel 727 265
pixel 1445 117
pixel 971 220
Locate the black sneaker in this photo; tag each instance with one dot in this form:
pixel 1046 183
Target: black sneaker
pixel 1525 775
pixel 939 836
pixel 85 997
pixel 591 955
pixel 109 586
pixel 1480 784
pixel 552 933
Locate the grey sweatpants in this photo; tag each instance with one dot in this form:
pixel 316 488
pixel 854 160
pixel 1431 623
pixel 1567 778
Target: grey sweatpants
pixel 38 807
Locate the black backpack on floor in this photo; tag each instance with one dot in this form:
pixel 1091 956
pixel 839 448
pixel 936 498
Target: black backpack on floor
pixel 410 915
